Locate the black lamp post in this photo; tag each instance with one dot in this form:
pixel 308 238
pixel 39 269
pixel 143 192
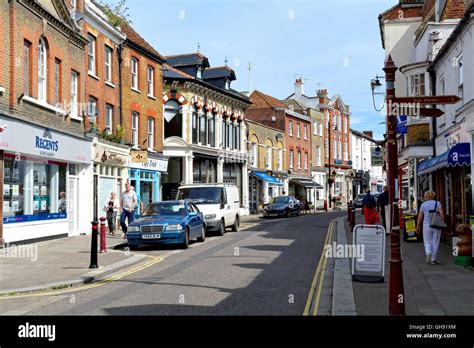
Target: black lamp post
pixel 330 179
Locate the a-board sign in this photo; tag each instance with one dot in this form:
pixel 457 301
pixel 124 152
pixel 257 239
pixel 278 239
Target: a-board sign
pixel 369 266
pixel 410 228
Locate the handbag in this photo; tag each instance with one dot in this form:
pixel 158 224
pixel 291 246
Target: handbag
pixel 435 219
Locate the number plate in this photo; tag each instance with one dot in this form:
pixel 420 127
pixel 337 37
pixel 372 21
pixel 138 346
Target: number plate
pixel 151 236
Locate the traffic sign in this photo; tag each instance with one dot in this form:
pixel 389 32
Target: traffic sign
pixel 437 99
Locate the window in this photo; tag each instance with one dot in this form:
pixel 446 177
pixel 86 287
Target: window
pixel 57 81
pixel 339 120
pixel 305 132
pixel 290 128
pixel 229 134
pixel 91 54
pixel 135 129
pixel 298 135
pixel 280 159
pixel 298 160
pixel 269 158
pixel 151 133
pixel 346 121
pixel 321 129
pixel 460 76
pixel 151 81
pixel 292 155
pixel 26 67
pixel 74 82
pixel 318 156
pixel 254 155
pixel 306 161
pixel 202 128
pixel 346 153
pixel 417 85
pixel 42 70
pixel 134 71
pixel 194 125
pixel 109 111
pixel 211 132
pixel 108 64
pixel 224 129
pixel 92 109
pixel 315 128
pixel 173 119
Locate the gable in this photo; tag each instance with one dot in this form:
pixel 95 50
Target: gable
pixel 59 10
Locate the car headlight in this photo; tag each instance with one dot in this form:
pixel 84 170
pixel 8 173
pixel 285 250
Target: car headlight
pixel 174 228
pixel 133 229
pixel 210 217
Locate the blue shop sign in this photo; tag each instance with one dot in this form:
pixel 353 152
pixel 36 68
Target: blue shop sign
pixel 36 217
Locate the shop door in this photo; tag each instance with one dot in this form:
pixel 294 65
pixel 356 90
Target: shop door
pixel 73 206
pixel 146 194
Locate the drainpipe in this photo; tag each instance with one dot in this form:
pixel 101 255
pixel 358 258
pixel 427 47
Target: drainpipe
pixel 433 120
pixel 120 60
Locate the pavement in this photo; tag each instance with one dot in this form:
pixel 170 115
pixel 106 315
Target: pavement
pixel 266 268
pixel 442 289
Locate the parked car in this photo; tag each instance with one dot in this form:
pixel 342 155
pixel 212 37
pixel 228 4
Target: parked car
pixel 170 222
pixel 358 201
pixel 282 206
pixel 220 204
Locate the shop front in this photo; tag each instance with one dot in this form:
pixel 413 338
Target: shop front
pixel 449 175
pixel 304 188
pixel 110 173
pixel 46 182
pixel 263 186
pixel 145 176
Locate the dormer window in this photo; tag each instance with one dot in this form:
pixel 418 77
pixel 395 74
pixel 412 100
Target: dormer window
pixel 199 73
pixel 227 84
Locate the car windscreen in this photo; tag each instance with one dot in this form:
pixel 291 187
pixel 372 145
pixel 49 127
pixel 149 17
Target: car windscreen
pixel 165 209
pixel 201 195
pixel 279 200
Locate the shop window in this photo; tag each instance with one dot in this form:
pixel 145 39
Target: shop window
pixel 173 119
pixel 33 191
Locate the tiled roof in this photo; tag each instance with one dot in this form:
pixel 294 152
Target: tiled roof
pixel 134 37
pixel 187 59
pixel 260 99
pixel 170 72
pixel 217 72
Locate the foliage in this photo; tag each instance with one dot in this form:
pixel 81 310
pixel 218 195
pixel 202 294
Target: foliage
pixel 117 14
pixel 110 137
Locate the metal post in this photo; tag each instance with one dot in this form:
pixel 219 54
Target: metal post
pixel 329 163
pixel 103 243
pixel 396 291
pixel 94 261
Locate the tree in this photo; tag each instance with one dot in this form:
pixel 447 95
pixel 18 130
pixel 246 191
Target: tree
pixel 117 14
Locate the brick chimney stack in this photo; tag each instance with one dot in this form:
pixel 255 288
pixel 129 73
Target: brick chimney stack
pixel 299 87
pixel 370 134
pixel 322 94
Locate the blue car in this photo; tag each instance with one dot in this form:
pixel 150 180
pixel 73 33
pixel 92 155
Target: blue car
pixel 169 222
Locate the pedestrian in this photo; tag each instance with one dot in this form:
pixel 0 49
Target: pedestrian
pixel 368 207
pixel 62 204
pixel 138 209
pixel 431 236
pixel 112 207
pixel 127 204
pixel 383 201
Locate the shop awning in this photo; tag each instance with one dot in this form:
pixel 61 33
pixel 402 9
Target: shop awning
pixel 459 155
pixel 268 178
pixel 308 183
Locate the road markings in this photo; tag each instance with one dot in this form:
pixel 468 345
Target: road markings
pixel 321 265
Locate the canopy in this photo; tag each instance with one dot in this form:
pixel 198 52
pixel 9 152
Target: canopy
pixel 268 178
pixel 308 183
pixel 459 155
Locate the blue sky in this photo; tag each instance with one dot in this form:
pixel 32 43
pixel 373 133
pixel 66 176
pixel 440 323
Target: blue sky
pixel 334 43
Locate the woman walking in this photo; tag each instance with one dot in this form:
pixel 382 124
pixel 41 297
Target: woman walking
pixel 111 208
pixel 431 236
pixel 368 208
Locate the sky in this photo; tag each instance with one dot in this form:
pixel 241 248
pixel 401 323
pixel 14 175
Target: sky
pixel 333 44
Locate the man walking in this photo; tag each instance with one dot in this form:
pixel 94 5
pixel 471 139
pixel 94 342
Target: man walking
pixel 383 201
pixel 127 203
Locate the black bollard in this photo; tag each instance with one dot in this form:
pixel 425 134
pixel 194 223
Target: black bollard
pixel 94 261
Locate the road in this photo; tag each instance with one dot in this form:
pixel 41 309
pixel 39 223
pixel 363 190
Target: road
pixel 266 268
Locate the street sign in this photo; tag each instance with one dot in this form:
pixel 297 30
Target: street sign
pixel 370 267
pixel 377 156
pixel 427 112
pixel 437 99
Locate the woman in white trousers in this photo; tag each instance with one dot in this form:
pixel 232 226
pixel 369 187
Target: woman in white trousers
pixel 431 236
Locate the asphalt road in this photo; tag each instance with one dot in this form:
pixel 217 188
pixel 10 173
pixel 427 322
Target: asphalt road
pixel 264 269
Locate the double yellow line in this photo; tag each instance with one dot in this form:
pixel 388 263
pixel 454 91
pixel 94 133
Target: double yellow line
pixel 318 280
pixel 154 261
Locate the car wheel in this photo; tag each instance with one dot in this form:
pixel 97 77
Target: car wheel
pixel 221 230
pixel 299 212
pixel 288 213
pixel 235 226
pixel 202 238
pixel 133 247
pixel 186 239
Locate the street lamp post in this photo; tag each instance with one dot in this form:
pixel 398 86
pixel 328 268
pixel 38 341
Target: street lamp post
pixel 396 291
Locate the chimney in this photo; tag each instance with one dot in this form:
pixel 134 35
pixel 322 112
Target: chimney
pixel 299 87
pixel 322 95
pixel 370 134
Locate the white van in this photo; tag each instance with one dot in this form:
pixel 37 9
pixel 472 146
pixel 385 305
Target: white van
pixel 219 204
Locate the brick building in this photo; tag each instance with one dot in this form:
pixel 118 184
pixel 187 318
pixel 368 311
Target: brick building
pixel 43 150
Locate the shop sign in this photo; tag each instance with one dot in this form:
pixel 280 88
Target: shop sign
pixel 455 136
pixel 377 156
pixel 418 134
pixel 410 228
pixel 139 156
pixel 156 164
pixel 28 139
pixel 338 161
pixel 104 155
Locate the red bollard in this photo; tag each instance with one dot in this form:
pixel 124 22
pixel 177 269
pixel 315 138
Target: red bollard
pixel 103 245
pixel 349 208
pixel 326 206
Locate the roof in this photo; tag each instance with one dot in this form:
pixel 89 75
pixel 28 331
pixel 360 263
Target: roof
pixel 219 72
pixel 365 136
pixel 187 59
pixel 170 72
pixel 134 37
pixel 267 100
